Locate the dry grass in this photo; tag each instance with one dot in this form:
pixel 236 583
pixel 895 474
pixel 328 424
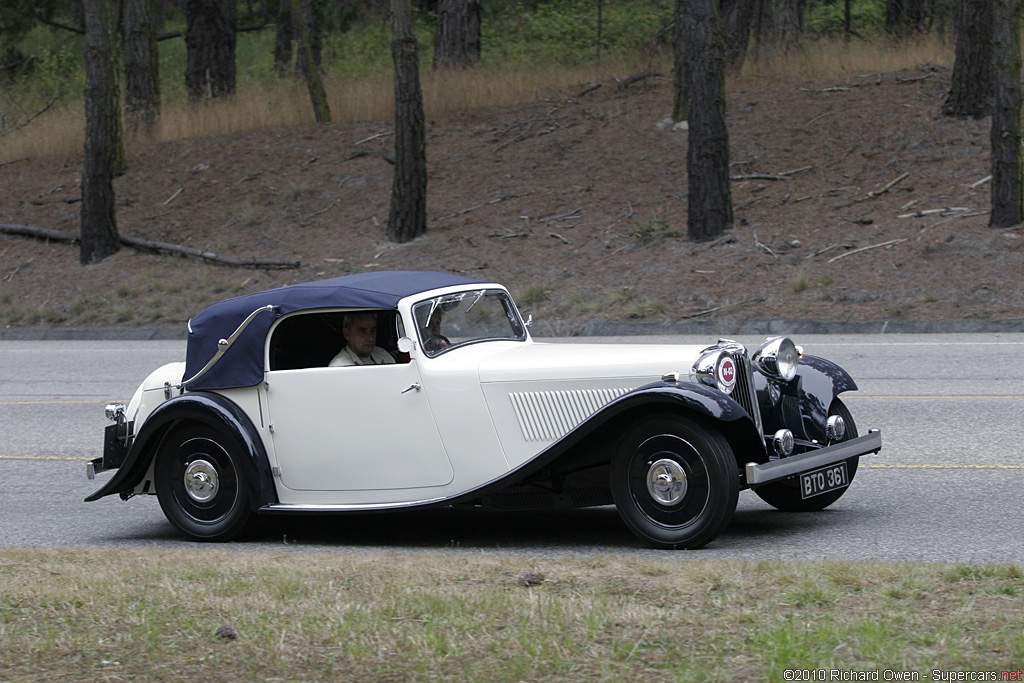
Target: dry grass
pixel 284 103
pixel 837 59
pixel 154 615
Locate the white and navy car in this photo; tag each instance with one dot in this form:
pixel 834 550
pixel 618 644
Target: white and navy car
pixel 473 412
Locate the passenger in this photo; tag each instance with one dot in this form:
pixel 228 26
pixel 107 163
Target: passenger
pixel 360 331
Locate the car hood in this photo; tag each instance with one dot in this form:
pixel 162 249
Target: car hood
pixel 540 361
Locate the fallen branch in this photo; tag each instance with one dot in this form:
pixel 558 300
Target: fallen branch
pixel 981 182
pixel 888 186
pixel 524 136
pixel 757 243
pixel 745 302
pixel 146 245
pixel 642 76
pixel 559 237
pixel 949 210
pixel 561 217
pixel 912 79
pixel 758 176
pixel 873 246
pixel 480 206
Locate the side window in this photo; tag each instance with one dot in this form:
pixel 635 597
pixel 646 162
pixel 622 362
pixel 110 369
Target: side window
pixel 312 340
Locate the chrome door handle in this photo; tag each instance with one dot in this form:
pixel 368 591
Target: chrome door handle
pixel 412 387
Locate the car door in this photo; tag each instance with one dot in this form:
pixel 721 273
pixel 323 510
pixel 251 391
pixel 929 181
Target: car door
pixel 355 428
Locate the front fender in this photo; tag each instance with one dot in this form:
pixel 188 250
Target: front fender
pixel 806 399
pixel 592 442
pixel 207 408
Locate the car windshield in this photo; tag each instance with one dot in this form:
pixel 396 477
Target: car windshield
pixel 445 322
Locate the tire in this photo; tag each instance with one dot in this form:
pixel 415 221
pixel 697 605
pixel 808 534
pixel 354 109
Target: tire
pixel 675 483
pixel 216 505
pixel 785 495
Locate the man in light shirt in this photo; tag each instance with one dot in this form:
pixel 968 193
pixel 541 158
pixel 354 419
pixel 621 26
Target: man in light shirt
pixel 360 331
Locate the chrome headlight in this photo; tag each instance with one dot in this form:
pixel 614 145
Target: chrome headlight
pixel 715 368
pixel 777 358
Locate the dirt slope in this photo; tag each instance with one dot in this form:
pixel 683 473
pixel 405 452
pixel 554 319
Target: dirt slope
pixel 578 204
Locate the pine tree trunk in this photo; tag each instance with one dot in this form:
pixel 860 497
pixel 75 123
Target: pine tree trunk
pixel 971 92
pixel 283 37
pixel 1007 165
pixel 457 41
pixel 407 218
pixel 141 66
pixel 707 159
pixel 104 154
pixel 308 64
pixel 737 18
pixel 904 17
pixel 778 25
pixel 680 91
pixel 210 43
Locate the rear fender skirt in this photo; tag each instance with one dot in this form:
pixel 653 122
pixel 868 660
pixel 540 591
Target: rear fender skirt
pixel 207 408
pixel 806 399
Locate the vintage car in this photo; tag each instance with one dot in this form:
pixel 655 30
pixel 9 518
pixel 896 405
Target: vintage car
pixel 471 412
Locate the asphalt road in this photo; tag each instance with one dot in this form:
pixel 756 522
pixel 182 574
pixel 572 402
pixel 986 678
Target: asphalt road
pixel 945 488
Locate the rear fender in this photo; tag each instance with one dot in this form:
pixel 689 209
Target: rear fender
pixel 206 408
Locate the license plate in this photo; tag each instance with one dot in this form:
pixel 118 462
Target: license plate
pixel 824 480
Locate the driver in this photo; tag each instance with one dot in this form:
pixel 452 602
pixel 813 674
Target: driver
pixel 360 332
pixel 433 340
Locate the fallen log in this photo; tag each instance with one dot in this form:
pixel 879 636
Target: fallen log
pixel 50 234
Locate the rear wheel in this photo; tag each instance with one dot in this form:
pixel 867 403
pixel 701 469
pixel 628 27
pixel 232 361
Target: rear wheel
pixel 674 482
pixel 785 495
pixel 199 482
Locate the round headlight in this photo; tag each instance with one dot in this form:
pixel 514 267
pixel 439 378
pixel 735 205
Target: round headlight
pixel 777 358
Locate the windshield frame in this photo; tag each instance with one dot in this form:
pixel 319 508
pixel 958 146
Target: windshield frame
pixel 462 302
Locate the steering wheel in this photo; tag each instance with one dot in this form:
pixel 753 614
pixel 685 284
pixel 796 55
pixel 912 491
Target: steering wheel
pixel 435 343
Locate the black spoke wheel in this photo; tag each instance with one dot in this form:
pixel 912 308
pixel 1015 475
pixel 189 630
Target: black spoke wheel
pixel 199 482
pixel 675 483
pixel 785 495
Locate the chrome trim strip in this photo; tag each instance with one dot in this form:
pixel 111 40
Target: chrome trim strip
pixel 224 344
pixel 346 507
pixel 795 464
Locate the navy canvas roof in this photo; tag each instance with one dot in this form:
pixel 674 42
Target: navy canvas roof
pixel 242 364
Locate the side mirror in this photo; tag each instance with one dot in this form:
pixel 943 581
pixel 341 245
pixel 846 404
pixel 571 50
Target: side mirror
pixel 405 345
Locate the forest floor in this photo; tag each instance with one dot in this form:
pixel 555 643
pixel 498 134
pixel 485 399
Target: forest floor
pixel 856 201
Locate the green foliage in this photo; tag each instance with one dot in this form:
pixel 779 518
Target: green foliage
pixel 566 32
pixel 652 229
pixel 826 18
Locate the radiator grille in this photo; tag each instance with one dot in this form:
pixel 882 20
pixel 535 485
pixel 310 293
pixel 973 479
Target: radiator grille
pixel 550 415
pixel 745 393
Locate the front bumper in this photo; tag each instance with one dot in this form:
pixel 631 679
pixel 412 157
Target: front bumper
pixel 765 473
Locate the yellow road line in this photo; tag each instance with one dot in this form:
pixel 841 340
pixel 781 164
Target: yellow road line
pixel 47 403
pixel 845 396
pixel 944 467
pixel 42 457
pixel 862 466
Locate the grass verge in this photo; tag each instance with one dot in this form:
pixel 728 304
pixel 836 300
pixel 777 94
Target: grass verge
pixel 155 615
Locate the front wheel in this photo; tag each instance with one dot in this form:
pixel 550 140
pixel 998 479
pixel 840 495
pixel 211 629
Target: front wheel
pixel 785 494
pixel 199 482
pixel 675 483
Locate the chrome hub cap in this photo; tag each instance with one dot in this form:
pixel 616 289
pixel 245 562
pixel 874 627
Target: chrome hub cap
pixel 666 482
pixel 201 481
